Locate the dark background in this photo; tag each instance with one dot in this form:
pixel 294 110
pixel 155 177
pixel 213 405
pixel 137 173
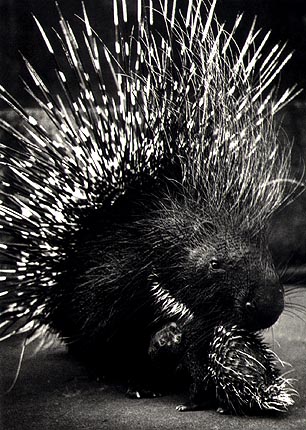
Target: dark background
pixel 286 19
pixel 18 32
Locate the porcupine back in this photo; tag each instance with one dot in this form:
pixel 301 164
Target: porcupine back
pixel 186 147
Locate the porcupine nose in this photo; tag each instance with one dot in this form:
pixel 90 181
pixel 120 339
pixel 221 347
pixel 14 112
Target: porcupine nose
pixel 265 307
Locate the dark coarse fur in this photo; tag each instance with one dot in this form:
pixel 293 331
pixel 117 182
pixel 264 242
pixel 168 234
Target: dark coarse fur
pixel 118 261
pixel 151 206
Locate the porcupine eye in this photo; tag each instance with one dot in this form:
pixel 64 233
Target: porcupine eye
pixel 215 264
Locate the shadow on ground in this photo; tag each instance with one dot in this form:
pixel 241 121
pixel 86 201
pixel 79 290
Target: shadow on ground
pixel 55 392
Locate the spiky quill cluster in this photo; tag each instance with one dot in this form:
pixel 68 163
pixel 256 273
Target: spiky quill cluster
pixel 244 373
pixel 190 108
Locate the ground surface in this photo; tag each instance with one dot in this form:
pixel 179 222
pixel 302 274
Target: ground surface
pixel 54 392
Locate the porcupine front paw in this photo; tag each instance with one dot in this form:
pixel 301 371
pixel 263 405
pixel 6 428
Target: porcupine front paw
pixel 166 341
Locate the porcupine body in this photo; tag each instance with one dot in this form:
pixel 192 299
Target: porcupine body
pixel 151 205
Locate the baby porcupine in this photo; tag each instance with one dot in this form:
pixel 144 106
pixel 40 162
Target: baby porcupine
pixel 148 206
pixel 244 372
pixel 240 374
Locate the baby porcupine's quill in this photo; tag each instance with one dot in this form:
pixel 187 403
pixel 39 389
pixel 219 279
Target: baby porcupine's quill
pixel 245 374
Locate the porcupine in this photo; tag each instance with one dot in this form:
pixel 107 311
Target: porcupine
pixel 239 374
pixel 150 206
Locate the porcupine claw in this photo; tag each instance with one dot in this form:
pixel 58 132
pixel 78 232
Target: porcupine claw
pixel 189 406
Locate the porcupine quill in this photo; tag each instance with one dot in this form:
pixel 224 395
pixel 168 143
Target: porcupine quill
pixel 148 205
pixel 244 372
pixel 241 374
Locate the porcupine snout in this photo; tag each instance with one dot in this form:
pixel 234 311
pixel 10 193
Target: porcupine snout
pixel 265 304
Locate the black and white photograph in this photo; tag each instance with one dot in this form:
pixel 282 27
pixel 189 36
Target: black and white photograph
pixel 152 214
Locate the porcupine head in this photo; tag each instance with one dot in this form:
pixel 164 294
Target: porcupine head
pixel 159 197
